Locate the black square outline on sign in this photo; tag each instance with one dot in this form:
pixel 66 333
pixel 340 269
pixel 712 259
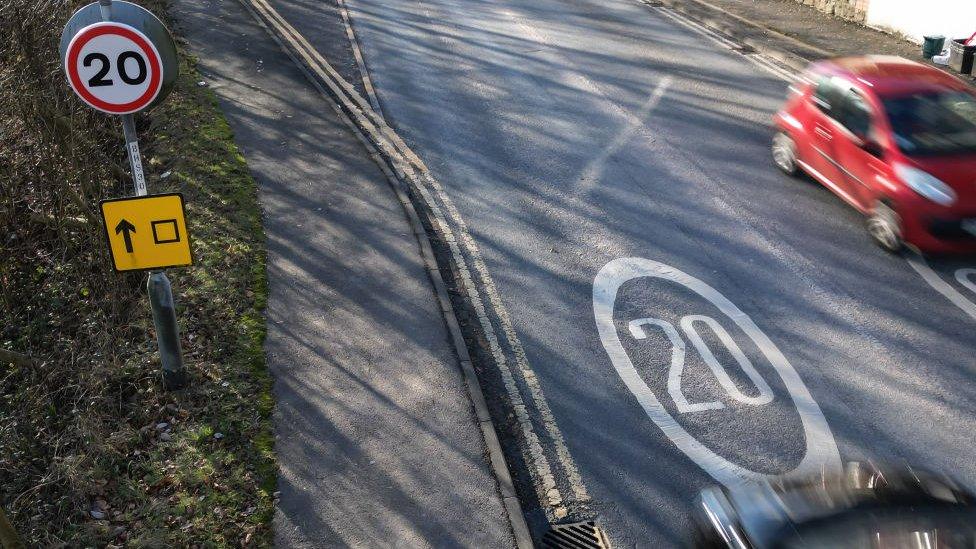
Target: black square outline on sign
pixel 176 231
pixel 108 235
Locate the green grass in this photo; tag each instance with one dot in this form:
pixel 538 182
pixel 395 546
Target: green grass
pixel 215 492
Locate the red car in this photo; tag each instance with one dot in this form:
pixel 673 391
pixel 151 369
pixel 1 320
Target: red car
pixel 895 139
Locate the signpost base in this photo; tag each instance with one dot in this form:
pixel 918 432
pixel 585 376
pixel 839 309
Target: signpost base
pixel 167 332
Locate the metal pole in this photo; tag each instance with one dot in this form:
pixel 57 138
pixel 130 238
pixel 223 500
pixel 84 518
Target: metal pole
pixel 158 287
pixel 105 7
pixel 135 159
pixel 167 332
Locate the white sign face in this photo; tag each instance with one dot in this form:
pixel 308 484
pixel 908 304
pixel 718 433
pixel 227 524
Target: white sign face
pixel 821 450
pixel 114 68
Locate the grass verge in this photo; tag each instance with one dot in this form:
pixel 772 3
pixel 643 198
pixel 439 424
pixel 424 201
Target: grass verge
pixel 92 451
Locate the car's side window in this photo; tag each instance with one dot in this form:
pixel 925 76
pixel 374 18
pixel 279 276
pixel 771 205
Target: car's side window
pixel 827 95
pixel 854 114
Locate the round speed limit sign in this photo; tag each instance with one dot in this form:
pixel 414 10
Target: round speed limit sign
pixel 114 68
pixel 120 60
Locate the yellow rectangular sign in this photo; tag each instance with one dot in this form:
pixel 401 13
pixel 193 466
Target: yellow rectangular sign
pixel 147 232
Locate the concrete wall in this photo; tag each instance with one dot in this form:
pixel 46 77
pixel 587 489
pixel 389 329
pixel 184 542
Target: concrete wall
pixel 916 18
pixel 854 10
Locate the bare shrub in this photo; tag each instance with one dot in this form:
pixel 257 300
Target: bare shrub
pixel 58 158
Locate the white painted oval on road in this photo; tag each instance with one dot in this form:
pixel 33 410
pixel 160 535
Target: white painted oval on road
pixel 967 277
pixel 963 276
pixel 821 449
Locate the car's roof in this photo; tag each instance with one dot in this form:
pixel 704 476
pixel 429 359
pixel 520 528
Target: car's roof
pixel 889 75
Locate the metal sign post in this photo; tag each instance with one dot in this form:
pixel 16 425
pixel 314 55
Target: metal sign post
pixel 167 332
pixel 122 84
pixel 158 286
pixel 132 148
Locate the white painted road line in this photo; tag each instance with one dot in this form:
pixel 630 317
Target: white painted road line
pixel 595 166
pixel 821 449
pixel 967 277
pixel 955 296
pixel 357 53
pixel 461 244
pixel 537 397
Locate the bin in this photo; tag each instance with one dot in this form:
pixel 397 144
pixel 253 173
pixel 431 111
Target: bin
pixel 961 56
pixel 932 46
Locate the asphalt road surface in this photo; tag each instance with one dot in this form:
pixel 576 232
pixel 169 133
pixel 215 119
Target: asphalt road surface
pixel 692 315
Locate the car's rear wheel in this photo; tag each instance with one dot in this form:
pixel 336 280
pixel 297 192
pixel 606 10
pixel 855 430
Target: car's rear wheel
pixel 784 153
pixel 884 225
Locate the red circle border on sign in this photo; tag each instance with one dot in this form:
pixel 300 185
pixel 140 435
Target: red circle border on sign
pixel 107 27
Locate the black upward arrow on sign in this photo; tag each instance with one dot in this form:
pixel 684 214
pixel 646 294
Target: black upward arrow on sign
pixel 126 228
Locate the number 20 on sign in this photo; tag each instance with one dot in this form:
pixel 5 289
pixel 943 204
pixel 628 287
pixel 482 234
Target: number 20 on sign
pixel 114 68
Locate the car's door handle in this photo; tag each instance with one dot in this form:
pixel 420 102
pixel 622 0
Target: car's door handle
pixel 823 133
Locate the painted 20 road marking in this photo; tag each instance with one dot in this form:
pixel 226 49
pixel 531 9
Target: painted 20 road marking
pixel 678 362
pixel 821 449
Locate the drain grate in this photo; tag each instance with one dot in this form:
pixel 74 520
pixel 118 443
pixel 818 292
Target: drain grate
pixel 576 535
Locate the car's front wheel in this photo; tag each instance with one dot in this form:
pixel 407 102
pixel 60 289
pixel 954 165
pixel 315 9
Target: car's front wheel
pixel 784 153
pixel 884 225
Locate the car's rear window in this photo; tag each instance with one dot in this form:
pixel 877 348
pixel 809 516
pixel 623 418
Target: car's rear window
pixel 933 123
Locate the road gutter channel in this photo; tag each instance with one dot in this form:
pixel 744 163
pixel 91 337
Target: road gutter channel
pixel 780 63
pixel 406 172
pixel 461 275
pixel 718 20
